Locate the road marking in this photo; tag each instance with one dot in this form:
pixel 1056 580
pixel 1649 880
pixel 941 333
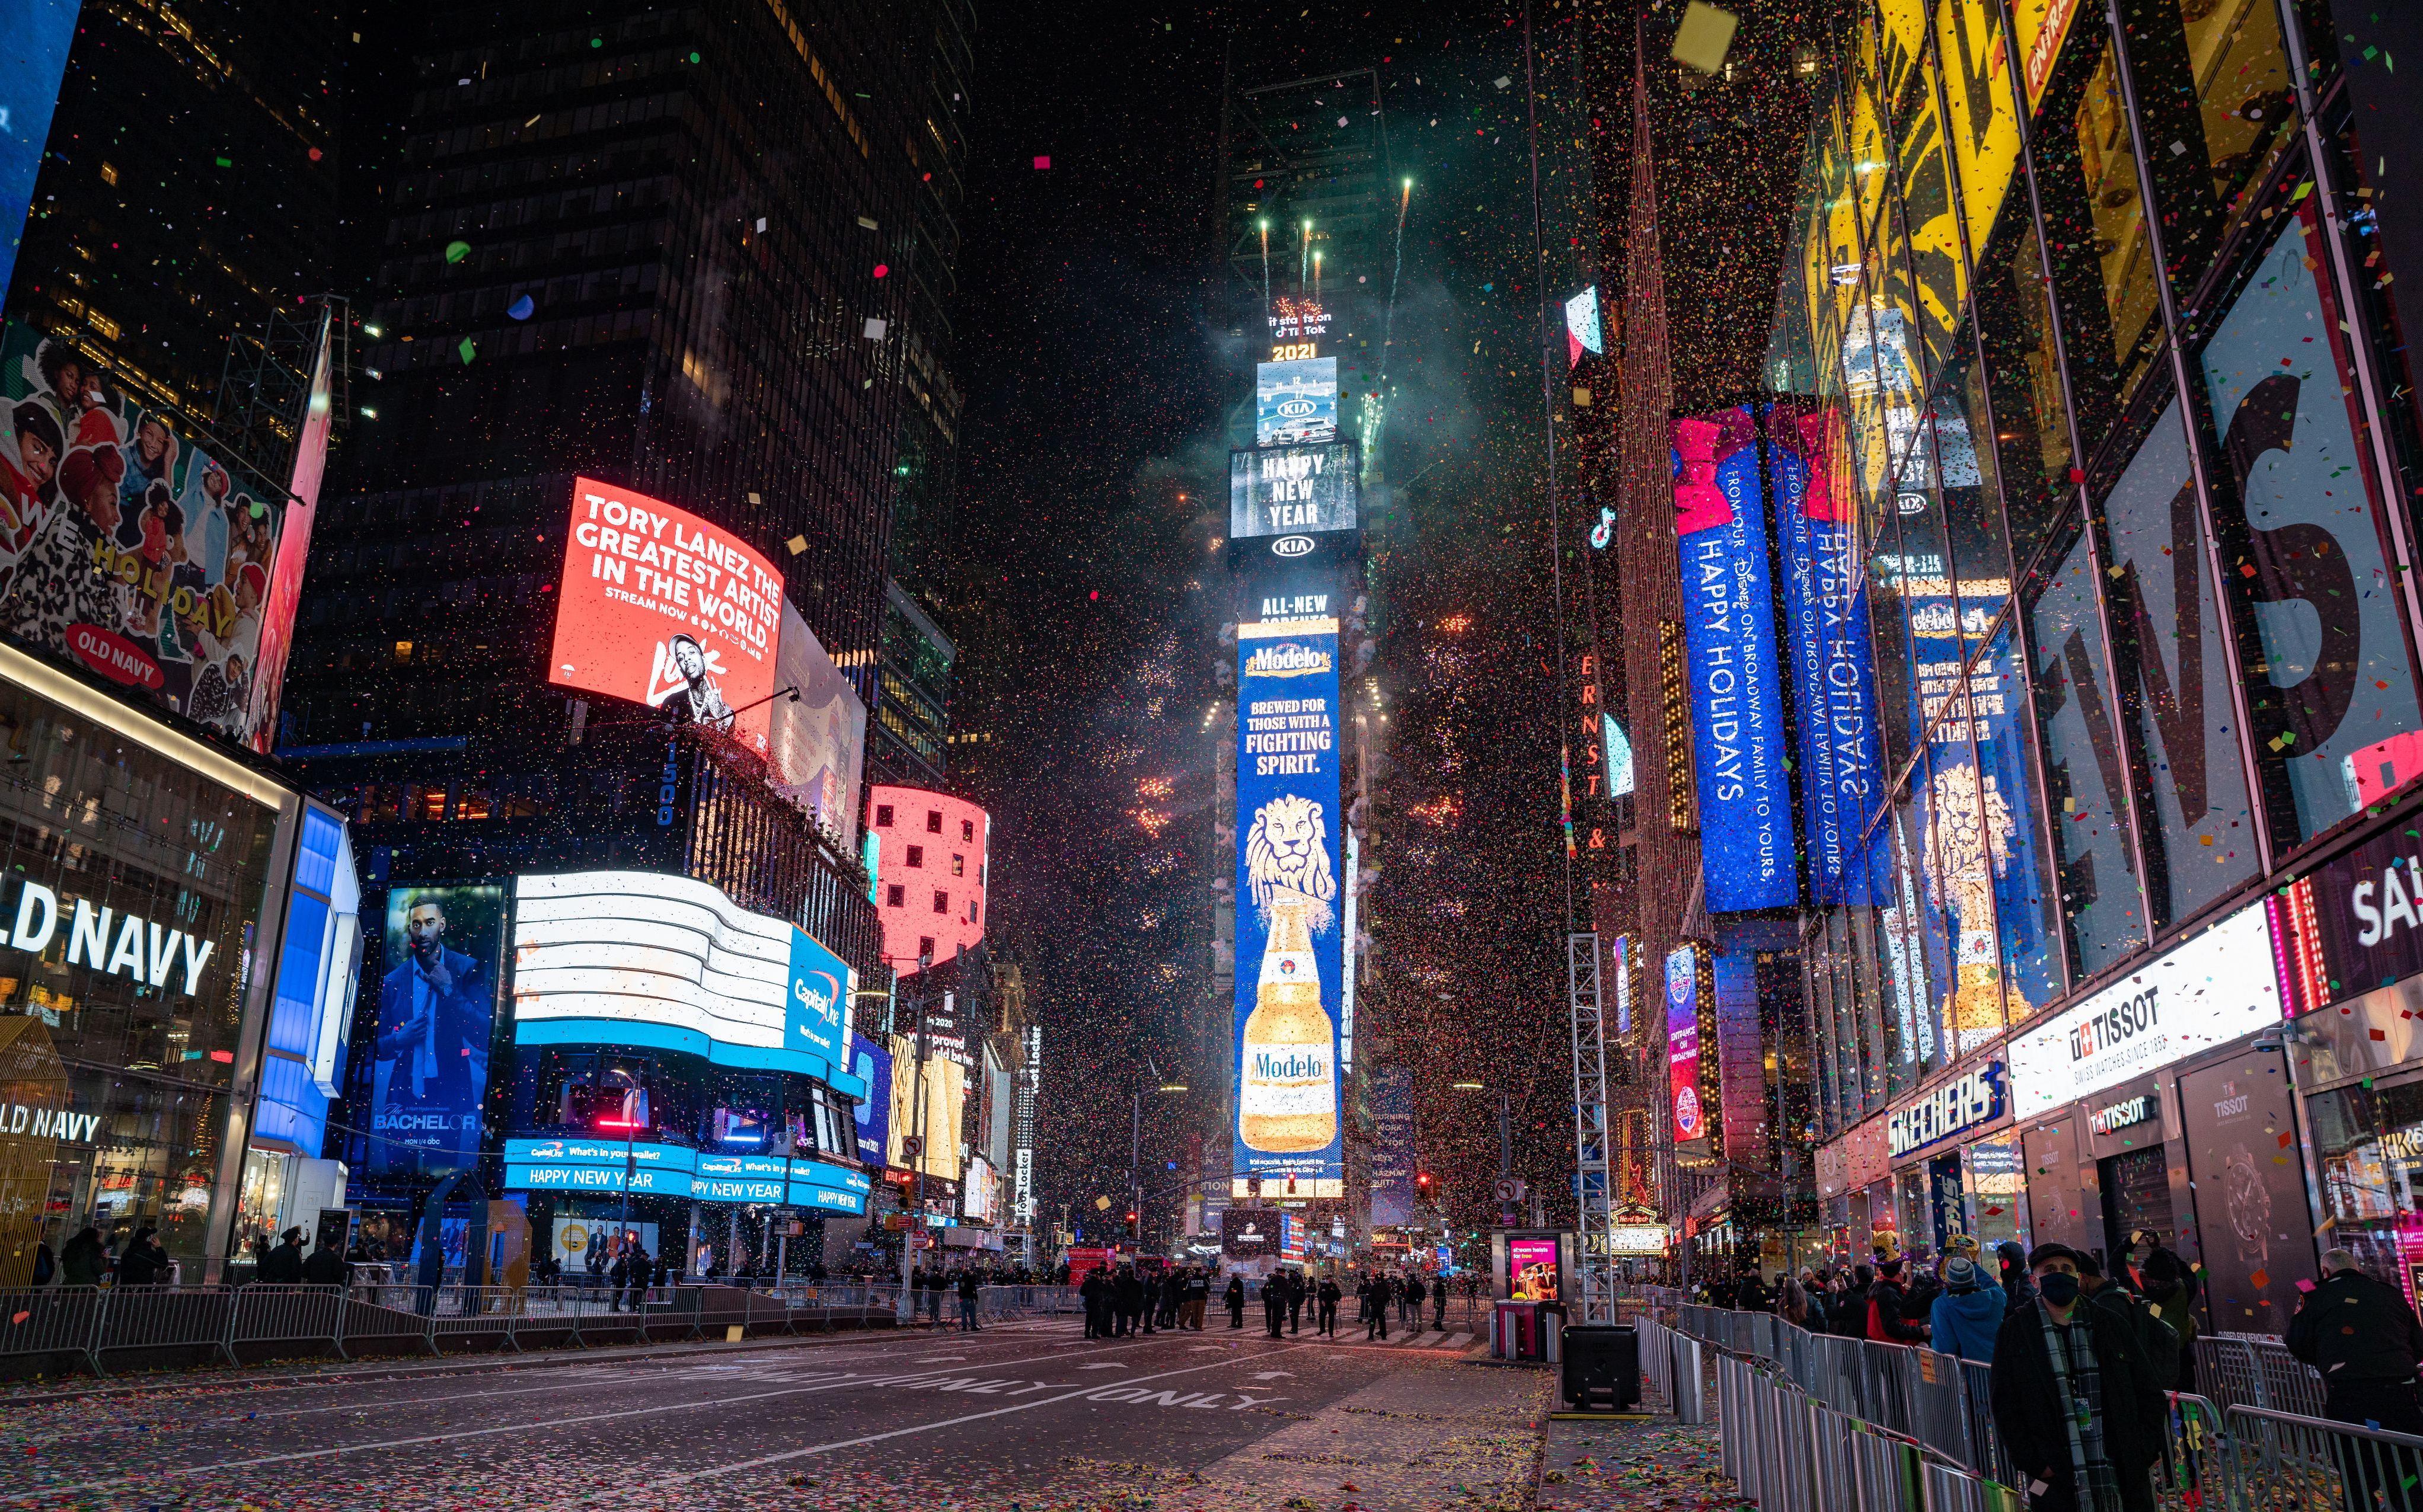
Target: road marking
pixel 1272 1374
pixel 1105 1366
pixel 971 1417
pixel 935 1360
pixel 842 1379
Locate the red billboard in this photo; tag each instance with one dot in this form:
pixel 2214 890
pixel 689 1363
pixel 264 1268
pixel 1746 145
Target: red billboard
pixel 664 608
pixel 931 857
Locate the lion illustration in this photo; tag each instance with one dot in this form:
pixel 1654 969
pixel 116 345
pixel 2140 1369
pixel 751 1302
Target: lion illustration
pixel 1288 851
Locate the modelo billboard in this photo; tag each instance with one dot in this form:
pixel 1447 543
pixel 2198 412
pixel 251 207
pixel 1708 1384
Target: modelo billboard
pixel 1297 490
pixel 1287 913
pixel 1736 682
pixel 128 550
pixel 661 607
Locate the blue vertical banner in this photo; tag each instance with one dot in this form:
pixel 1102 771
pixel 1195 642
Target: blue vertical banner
pixel 815 1015
pixel 32 59
pixel 872 1063
pixel 1290 955
pixel 1833 656
pixel 1736 684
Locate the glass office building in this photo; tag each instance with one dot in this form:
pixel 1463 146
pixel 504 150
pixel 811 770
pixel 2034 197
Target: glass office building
pixel 2088 329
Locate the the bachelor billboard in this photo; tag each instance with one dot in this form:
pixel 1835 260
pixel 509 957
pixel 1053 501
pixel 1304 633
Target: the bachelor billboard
pixel 1747 851
pixel 661 607
pixel 1284 490
pixel 1288 903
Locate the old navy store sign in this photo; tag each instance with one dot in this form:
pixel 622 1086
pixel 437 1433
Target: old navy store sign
pixel 109 942
pixel 604 1166
pixel 1737 680
pixel 1965 1102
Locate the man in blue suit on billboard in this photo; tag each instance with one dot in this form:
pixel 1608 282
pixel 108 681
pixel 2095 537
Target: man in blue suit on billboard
pixel 435 1014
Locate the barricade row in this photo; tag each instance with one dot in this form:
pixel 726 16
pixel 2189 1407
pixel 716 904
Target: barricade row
pixel 1806 1417
pixel 86 1325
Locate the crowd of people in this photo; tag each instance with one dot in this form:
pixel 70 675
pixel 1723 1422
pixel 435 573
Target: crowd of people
pixel 1142 1299
pixel 2081 1354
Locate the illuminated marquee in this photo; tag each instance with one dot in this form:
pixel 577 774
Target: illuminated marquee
pixel 1293 491
pixel 638 958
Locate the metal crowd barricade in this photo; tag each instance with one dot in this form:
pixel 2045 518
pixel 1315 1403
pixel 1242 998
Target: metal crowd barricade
pixel 288 1315
pixel 2256 1370
pixel 164 1317
pixel 39 1322
pixel 2280 1460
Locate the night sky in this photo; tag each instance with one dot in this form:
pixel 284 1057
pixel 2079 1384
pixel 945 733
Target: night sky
pixel 1096 344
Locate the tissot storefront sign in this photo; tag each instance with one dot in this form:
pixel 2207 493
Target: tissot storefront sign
pixel 2211 990
pixel 1968 1101
pixel 2126 1113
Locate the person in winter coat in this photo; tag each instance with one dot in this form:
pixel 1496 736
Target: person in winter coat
pixel 83 1259
pixel 1235 1298
pixel 1968 1316
pixel 1297 1289
pixel 1275 1308
pixel 1889 1317
pixel 1751 1294
pixel 1198 1296
pixel 1376 1315
pixel 969 1294
pixel 2155 1339
pixel 1851 1313
pixel 145 1263
pixel 1127 1300
pixel 1818 1298
pixel 1089 1291
pixel 1413 1295
pixel 2365 1340
pixel 1327 1315
pixel 2082 1417
pixel 2017 1289
pixel 284 1265
pixel 2170 1296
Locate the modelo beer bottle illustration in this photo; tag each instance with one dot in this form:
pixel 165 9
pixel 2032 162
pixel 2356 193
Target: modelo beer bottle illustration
pixel 1287 1097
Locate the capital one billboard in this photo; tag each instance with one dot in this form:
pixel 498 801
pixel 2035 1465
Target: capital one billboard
pixel 661 607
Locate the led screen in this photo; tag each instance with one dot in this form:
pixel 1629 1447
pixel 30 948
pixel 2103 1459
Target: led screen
pixel 1736 682
pixel 1293 491
pixel 35 59
pixel 1532 1273
pixel 436 1011
pixel 126 549
pixel 660 607
pixel 872 1064
pixel 1582 330
pixel 816 742
pixel 1296 401
pixel 667 962
pixel 1288 903
pixel 1682 1044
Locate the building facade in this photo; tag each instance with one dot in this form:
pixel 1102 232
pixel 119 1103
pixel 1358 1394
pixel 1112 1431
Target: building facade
pixel 2088 362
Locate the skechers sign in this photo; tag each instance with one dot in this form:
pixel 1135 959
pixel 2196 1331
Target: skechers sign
pixel 2213 989
pixel 1291 491
pixel 1964 1103
pixel 1747 851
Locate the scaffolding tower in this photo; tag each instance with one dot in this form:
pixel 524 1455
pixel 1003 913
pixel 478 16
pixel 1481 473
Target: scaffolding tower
pixel 1596 1251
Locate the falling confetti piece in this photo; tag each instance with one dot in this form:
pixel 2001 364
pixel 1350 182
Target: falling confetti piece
pixel 457 251
pixel 466 351
pixel 1043 162
pixel 520 309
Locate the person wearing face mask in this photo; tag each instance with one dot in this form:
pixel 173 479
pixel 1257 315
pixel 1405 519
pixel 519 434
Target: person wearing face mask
pixel 2171 1296
pixel 2073 1399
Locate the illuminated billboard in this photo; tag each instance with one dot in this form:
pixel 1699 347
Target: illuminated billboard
pixel 436 1012
pixel 38 33
pixel 1736 683
pixel 816 743
pixel 638 958
pixel 660 607
pixel 872 1063
pixel 1834 676
pixel 126 549
pixel 1583 333
pixel 1293 491
pixel 1682 1044
pixel 931 853
pixel 931 1115
pixel 606 1167
pixel 1288 1123
pixel 1296 401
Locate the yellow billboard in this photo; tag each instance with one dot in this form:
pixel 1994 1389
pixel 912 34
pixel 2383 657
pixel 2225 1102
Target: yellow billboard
pixel 946 1092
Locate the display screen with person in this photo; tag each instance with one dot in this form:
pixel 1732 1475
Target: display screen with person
pixel 430 1061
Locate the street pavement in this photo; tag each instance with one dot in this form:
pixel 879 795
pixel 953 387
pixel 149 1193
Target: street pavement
pixel 1025 1416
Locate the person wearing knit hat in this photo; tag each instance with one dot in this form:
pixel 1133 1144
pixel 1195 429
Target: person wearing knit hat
pixel 1968 1316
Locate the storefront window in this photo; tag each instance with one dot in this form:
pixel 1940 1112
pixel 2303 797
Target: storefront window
pixel 1915 949
pixel 2023 895
pixel 2172 649
pixel 1968 829
pixel 1997 1194
pixel 1936 278
pixel 2023 376
pixel 1972 506
pixel 1978 116
pixel 2369 1142
pixel 2095 228
pixel 2080 723
pixel 2336 683
pixel 2213 82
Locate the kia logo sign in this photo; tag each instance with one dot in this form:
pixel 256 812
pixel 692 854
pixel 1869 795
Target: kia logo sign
pixel 1297 409
pixel 1291 545
pixel 113 656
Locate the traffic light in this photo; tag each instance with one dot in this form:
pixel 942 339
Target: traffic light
pixel 1423 1181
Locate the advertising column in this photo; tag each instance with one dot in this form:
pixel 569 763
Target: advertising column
pixel 1288 1120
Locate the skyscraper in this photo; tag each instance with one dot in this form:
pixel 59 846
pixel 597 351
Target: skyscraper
pixel 699 254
